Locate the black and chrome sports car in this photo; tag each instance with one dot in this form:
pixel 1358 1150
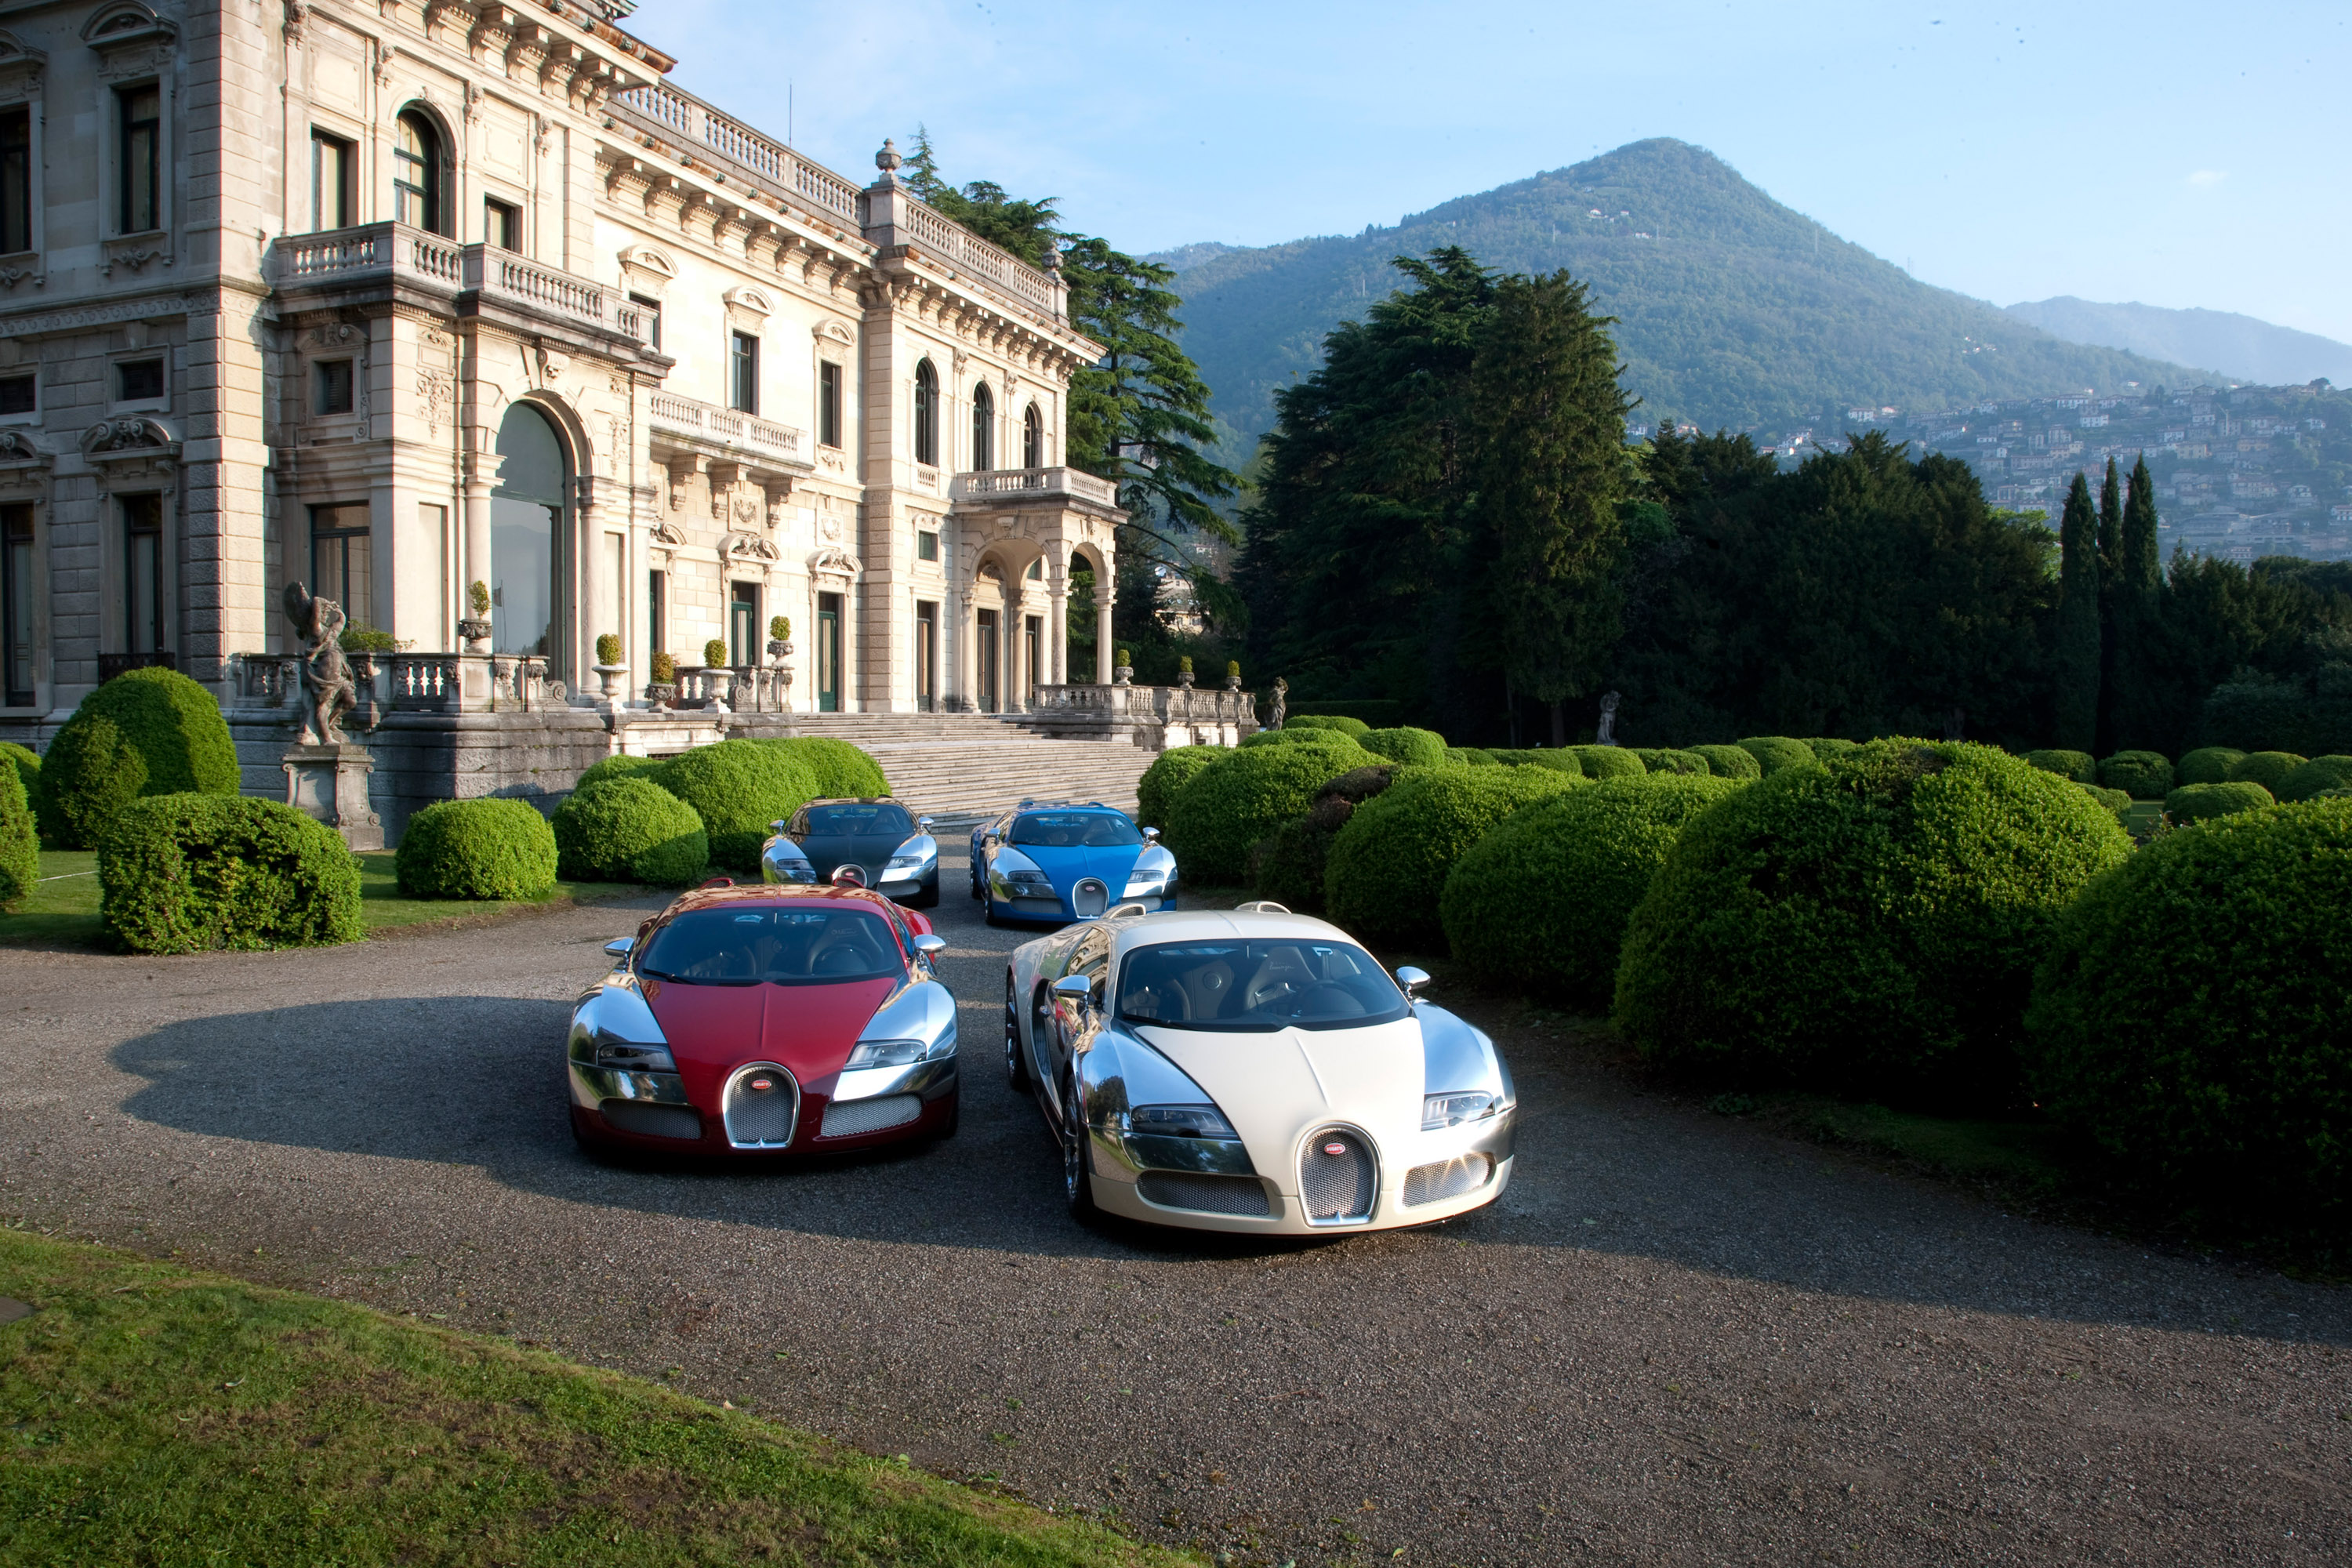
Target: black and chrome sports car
pixel 892 849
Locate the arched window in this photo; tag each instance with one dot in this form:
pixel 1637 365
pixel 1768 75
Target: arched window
pixel 927 414
pixel 527 534
pixel 983 429
pixel 1032 439
pixel 419 195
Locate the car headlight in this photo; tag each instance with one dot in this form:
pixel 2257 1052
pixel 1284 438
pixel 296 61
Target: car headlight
pixel 617 1054
pixel 901 1052
pixel 1179 1121
pixel 1441 1110
pixel 785 861
pixel 913 856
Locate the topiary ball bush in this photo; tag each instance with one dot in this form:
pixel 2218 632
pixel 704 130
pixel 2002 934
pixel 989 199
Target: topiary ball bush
pixel 485 848
pixel 2315 777
pixel 1774 753
pixel 2080 766
pixel 192 873
pixel 27 765
pixel 617 767
pixel 2206 764
pixel 1171 771
pixel 2189 1018
pixel 628 830
pixel 1387 865
pixel 1226 808
pixel 1354 729
pixel 1609 762
pixel 1295 737
pixel 1413 748
pixel 1287 866
pixel 1470 757
pixel 839 770
pixel 2143 775
pixel 1558 758
pixel 1671 759
pixel 1870 928
pixel 20 847
pixel 1540 903
pixel 170 723
pixel 1728 761
pixel 1824 747
pixel 2197 803
pixel 2115 800
pixel 738 788
pixel 2269 769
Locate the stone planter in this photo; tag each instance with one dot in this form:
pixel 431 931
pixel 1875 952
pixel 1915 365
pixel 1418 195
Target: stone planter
pixel 1232 683
pixel 1184 679
pixel 610 677
pixel 476 635
pixel 779 651
pixel 1123 675
pixel 662 693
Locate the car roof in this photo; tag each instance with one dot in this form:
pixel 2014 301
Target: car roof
pixel 854 800
pixel 776 893
pixel 1211 925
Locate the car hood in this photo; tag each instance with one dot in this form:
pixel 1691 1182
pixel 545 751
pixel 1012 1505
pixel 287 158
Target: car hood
pixel 868 851
pixel 1275 1089
pixel 1109 863
pixel 808 1030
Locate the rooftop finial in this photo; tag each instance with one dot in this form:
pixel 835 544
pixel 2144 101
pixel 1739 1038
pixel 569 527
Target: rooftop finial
pixel 887 160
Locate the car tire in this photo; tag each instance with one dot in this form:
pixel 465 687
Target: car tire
pixel 1016 1071
pixel 927 898
pixel 1077 1167
pixel 988 915
pixel 955 1118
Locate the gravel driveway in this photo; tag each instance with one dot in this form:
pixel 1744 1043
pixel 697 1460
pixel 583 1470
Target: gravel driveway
pixel 1677 1340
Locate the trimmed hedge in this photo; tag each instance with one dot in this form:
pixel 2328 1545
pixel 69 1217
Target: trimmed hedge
pixel 1609 762
pixel 1558 758
pixel 1541 902
pixel 2197 803
pixel 629 830
pixel 1387 865
pixel 172 726
pixel 1354 729
pixel 1824 747
pixel 1870 927
pixel 1671 759
pixel 1470 757
pixel 2315 777
pixel 1171 771
pixel 1728 761
pixel 1373 710
pixel 1287 866
pixel 2207 764
pixel 2268 769
pixel 1413 748
pixel 191 873
pixel 2189 1016
pixel 840 769
pixel 2080 766
pixel 489 848
pixel 1294 737
pixel 738 787
pixel 27 765
pixel 617 767
pixel 1773 753
pixel 1244 796
pixel 2143 775
pixel 20 847
pixel 2115 800
pixel 2285 716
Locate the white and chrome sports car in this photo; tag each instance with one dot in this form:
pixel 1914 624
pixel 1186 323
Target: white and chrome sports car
pixel 1252 1070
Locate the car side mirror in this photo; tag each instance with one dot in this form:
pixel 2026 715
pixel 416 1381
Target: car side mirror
pixel 776 826
pixel 1075 988
pixel 925 822
pixel 1413 980
pixel 930 947
pixel 988 841
pixel 1153 833
pixel 621 946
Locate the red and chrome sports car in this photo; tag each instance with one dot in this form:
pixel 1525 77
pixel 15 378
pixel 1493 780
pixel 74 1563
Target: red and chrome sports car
pixel 767 1019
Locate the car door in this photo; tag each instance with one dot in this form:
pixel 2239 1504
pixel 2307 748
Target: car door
pixel 1090 957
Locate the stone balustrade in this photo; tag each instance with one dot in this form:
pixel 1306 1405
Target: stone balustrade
pixel 272 684
pixel 666 111
pixel 1001 486
pixel 1152 716
pixel 398 253
pixel 708 425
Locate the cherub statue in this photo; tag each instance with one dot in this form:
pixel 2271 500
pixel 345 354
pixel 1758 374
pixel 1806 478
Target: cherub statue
pixel 326 676
pixel 1281 702
pixel 1607 733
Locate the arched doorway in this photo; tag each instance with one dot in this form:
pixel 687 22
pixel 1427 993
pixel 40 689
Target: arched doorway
pixel 529 510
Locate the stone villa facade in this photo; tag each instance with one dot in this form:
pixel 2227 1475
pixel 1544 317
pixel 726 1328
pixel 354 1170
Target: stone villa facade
pixel 392 299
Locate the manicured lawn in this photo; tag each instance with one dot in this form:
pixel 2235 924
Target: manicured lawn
pixel 63 906
pixel 154 1416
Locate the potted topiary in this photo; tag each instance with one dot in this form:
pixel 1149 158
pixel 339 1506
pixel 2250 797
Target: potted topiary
pixel 1123 672
pixel 1184 671
pixel 662 691
pixel 714 654
pixel 1232 675
pixel 476 629
pixel 780 637
pixel 609 667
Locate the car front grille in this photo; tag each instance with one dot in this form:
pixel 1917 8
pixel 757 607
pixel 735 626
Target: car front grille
pixel 1336 1177
pixel 650 1120
pixel 1089 898
pixel 1447 1179
pixel 848 1118
pixel 762 1104
pixel 1243 1196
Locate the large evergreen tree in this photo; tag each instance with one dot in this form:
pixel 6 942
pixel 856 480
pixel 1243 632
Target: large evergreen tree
pixel 2079 641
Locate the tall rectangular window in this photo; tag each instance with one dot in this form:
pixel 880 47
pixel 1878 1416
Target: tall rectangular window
pixel 658 611
pixel 334 200
pixel 927 657
pixel 828 404
pixel 16 180
pixel 652 307
pixel 16 604
pixel 501 224
pixel 330 386
pixel 338 559
pixel 927 544
pixel 140 147
pixel 143 576
pixel 743 623
pixel 744 377
pixel 19 393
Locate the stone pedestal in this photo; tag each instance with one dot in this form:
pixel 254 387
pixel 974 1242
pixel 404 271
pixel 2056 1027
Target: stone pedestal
pixel 331 782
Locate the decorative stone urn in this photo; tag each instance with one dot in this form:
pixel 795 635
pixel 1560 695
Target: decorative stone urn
pixel 1232 683
pixel 1122 674
pixel 611 676
pixel 1184 679
pixel 779 650
pixel 662 693
pixel 476 635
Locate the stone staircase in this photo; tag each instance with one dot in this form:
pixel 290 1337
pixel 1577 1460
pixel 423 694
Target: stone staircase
pixel 963 766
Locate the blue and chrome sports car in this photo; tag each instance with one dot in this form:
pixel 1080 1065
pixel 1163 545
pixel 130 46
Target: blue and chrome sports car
pixel 1063 860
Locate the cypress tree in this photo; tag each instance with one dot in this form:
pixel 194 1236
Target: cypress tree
pixel 2111 526
pixel 2076 662
pixel 2114 612
pixel 2142 571
pixel 2135 591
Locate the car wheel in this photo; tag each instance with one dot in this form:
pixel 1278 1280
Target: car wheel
pixel 1015 1073
pixel 955 1118
pixel 927 896
pixel 988 914
pixel 1077 1171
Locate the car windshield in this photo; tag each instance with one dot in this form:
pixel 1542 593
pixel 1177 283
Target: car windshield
pixel 861 816
pixel 812 943
pixel 1228 984
pixel 1075 829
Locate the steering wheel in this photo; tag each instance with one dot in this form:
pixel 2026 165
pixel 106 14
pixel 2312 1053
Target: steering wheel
pixel 1329 1000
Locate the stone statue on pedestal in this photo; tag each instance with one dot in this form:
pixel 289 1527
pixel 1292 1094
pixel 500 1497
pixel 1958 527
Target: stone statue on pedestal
pixel 327 689
pixel 1281 702
pixel 1607 736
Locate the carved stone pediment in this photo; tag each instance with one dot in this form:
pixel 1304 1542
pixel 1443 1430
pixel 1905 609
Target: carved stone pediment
pixel 833 560
pixel 130 38
pixel 743 545
pixel 135 436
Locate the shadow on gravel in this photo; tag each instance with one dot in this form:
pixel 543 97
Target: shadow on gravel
pixel 477 1082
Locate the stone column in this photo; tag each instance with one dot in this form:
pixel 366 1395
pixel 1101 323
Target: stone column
pixel 1104 652
pixel 964 697
pixel 478 484
pixel 1014 666
pixel 1058 625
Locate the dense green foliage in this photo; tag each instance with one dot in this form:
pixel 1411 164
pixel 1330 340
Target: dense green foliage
pixel 1354 729
pixel 628 830
pixel 2076 657
pixel 1609 762
pixel 1296 737
pixel 1171 771
pixel 20 848
pixel 2269 769
pixel 2080 766
pixel 738 788
pixel 1826 747
pixel 1541 902
pixel 1773 753
pixel 1413 748
pixel 1222 812
pixel 486 847
pixel 1287 864
pixel 1870 927
pixel 2196 802
pixel 1560 759
pixel 193 872
pixel 26 764
pixel 1728 761
pixel 840 769
pixel 1387 865
pixel 2287 715
pixel 1468 757
pixel 2143 775
pixel 2189 1016
pixel 2207 764
pixel 171 725
pixel 2115 800
pixel 1671 759
pixel 617 767
pixel 2315 777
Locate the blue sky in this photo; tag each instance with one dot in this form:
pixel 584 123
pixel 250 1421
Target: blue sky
pixel 2177 155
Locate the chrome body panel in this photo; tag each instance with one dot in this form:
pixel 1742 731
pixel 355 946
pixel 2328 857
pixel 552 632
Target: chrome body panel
pixel 590 1086
pixel 929 1079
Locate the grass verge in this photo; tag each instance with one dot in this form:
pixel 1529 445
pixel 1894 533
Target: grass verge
pixel 157 1416
pixel 63 909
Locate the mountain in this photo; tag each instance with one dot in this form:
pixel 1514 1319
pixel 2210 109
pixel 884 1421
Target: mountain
pixel 2241 347
pixel 1733 311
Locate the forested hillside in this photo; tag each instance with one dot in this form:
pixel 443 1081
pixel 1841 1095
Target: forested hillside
pixel 1735 311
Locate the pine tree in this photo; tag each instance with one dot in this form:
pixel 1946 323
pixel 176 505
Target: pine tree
pixel 2079 639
